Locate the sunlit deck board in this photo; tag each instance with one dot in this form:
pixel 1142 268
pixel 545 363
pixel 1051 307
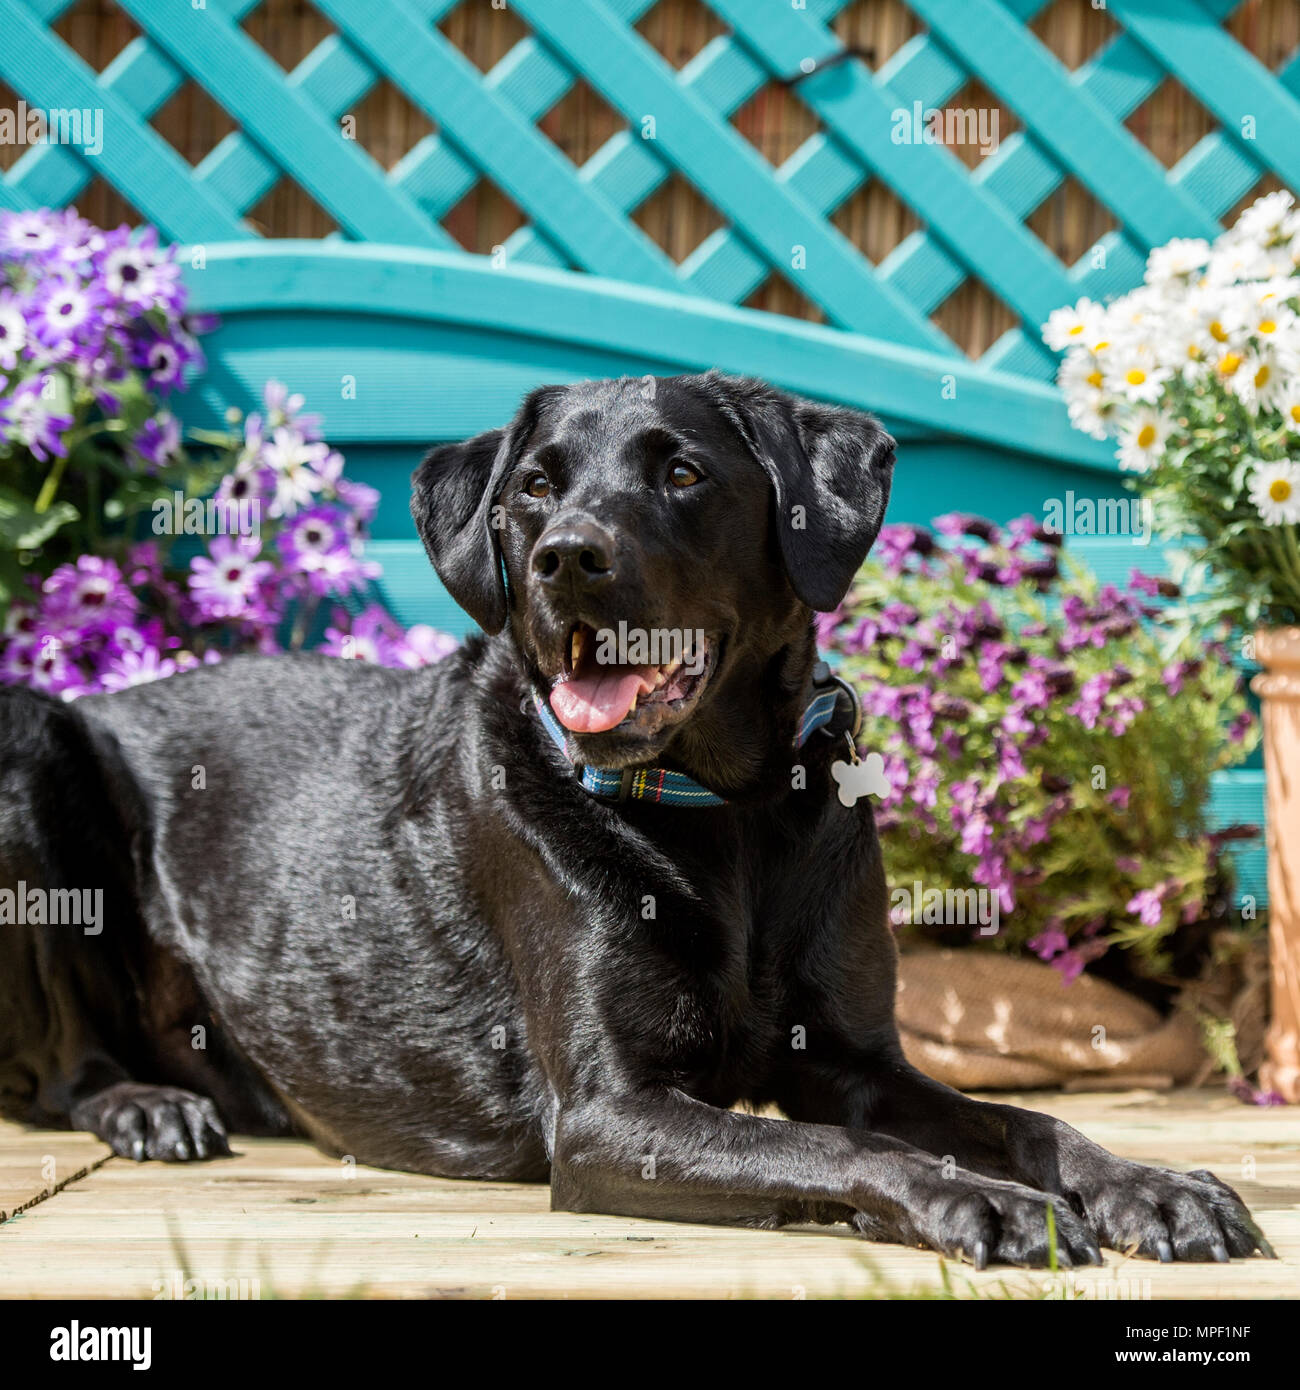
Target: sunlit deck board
pixel 290 1221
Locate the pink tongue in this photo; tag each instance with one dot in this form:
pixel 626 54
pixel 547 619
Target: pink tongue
pixel 590 704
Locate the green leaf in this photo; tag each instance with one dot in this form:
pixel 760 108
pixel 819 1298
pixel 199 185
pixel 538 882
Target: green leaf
pixel 22 527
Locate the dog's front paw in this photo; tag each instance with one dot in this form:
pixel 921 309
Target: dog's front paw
pixel 1168 1216
pixel 139 1122
pixel 987 1221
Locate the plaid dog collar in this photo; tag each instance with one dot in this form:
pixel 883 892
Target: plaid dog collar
pixel 669 788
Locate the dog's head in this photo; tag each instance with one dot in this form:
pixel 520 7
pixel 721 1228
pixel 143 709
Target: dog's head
pixel 657 546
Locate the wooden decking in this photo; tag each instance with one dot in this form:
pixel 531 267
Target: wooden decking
pixel 288 1222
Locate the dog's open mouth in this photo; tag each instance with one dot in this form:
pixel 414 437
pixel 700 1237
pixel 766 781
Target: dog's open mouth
pixel 594 693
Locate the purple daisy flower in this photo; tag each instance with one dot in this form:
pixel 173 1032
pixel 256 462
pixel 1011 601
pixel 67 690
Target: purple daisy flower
pixel 421 646
pixel 137 274
pixel 89 594
pixel 66 312
pixel 28 233
pixel 225 583
pixel 14 331
pixel 26 419
pixel 136 668
pixel 294 461
pixel 159 439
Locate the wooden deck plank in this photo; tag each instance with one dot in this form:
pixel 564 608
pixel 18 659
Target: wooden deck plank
pixel 34 1164
pixel 289 1221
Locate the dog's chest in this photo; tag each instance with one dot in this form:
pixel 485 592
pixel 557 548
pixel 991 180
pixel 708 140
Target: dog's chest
pixel 724 1020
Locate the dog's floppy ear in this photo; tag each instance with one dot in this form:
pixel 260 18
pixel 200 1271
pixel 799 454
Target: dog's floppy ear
pixel 452 495
pixel 830 469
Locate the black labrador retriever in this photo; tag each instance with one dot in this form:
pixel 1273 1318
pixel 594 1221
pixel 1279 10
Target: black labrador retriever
pixel 545 910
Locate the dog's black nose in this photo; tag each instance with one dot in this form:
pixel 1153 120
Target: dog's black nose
pixel 577 552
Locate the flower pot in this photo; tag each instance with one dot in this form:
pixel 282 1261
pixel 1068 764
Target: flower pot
pixel 1278 686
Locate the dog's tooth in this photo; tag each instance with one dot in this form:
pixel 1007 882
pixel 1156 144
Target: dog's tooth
pixel 668 671
pixel 576 646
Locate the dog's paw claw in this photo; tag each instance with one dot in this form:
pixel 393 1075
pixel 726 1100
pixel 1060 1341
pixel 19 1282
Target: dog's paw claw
pixel 1169 1216
pixel 995 1222
pixel 159 1122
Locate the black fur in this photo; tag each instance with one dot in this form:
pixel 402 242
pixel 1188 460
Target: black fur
pixel 404 930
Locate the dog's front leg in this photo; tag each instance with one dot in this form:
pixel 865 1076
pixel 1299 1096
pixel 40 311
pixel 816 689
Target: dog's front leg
pixel 1162 1214
pixel 664 1155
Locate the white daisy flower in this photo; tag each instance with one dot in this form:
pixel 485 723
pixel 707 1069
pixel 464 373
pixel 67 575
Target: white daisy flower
pixel 1183 342
pixel 293 461
pixel 1135 373
pixel 1142 439
pixel 1262 379
pixel 1289 405
pixel 1177 261
pixel 1233 262
pixel 1073 325
pixel 1227 362
pixel 1271 321
pixel 1275 490
pixel 1220 310
pixel 1265 220
pixel 1081 381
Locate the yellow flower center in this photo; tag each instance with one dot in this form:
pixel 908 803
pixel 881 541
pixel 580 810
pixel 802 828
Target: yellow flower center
pixel 1101 346
pixel 1229 363
pixel 1279 489
pixel 1295 412
pixel 1217 333
pixel 1075 330
pixel 1262 376
pixel 1094 379
pixel 1193 352
pixel 1146 436
pixel 1268 325
pixel 1135 376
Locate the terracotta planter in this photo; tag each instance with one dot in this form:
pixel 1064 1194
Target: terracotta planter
pixel 1278 651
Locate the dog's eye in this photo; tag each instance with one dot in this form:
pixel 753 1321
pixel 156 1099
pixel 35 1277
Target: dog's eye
pixel 683 475
pixel 538 485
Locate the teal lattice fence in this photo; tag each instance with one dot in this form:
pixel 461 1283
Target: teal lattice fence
pixel 438 342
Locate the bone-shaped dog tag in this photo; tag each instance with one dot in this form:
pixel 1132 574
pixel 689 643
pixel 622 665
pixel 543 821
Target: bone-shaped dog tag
pixel 865 777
